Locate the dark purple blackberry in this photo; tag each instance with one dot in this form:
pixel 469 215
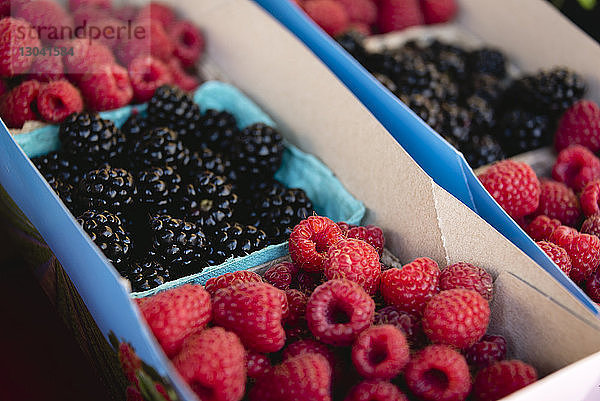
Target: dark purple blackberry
pixel 448 59
pixel 482 150
pixel 158 189
pixel 206 159
pixel 178 244
pixel 352 42
pixel 487 87
pixel 208 201
pixel 217 131
pixel 487 61
pixel 521 131
pixel 259 149
pixel 160 147
pixel 455 123
pixel 65 192
pixel 58 165
pixel 146 275
pixel 387 82
pixel 234 240
pixel 428 110
pixel 107 188
pixel 173 108
pixel 413 75
pixel 90 140
pixel 483 117
pixel 105 229
pixel 134 129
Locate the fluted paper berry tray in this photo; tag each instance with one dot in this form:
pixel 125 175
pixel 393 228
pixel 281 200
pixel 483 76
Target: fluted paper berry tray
pixel 544 323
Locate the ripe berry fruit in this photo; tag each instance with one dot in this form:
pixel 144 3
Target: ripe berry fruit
pixel 229 279
pixel 583 249
pixel 310 240
pixel 280 275
pixel 557 254
pixel 557 201
pixel 355 260
pixel 380 352
pixel 589 198
pixel 468 276
pixel 542 227
pixel 375 390
pixel 328 14
pixel 576 166
pixel 501 379
pixel 485 352
pixel 580 124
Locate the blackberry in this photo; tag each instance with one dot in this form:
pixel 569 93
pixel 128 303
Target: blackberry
pixel 259 150
pixel 105 229
pixel 482 113
pixel 416 76
pixel 448 59
pixel 146 275
pixel 520 131
pixel 208 201
pixel 428 110
pixel 549 92
pixel 179 244
pixel 387 82
pixel 455 123
pixel 487 87
pixel 482 150
pixel 58 165
pixel 173 108
pixel 352 42
pixel 160 147
pixel 217 131
pixel 90 140
pixel 108 188
pixel 234 240
pixel 487 61
pixel 158 188
pixel 135 128
pixel 206 159
pixel 65 192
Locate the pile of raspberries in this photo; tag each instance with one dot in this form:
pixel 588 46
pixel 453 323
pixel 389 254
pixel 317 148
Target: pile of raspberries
pixel 334 324
pixel 52 67
pixel 376 16
pixel 562 213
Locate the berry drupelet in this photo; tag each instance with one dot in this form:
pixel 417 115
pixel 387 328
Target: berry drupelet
pixel 259 150
pixel 105 229
pixel 234 240
pixel 217 131
pixel 173 108
pixel 108 188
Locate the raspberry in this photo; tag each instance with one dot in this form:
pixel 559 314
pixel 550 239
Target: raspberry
pixel 407 323
pixel 360 11
pixel 86 58
pixel 180 77
pixel 146 75
pixel 501 379
pixel 438 373
pixel 592 286
pixel 188 42
pixel 410 288
pixel 11 43
pixel 558 201
pixel 355 260
pixel 20 104
pixel 159 12
pixel 395 15
pixel 576 166
pixel 456 317
pixel 541 228
pixel 307 282
pixel 468 276
pixel 514 186
pixel 89 13
pixel 257 364
pixel 254 311
pixel 557 254
pixel 375 390
pixel 580 125
pixel 380 352
pixel 370 234
pixel 328 14
pixel 310 240
pixel 438 11
pixel 591 225
pixel 338 310
pixel 133 394
pixel 57 100
pixel 583 249
pixel 589 198
pixel 49 15
pixel 175 314
pixel 155 43
pixel 46 69
pixel 488 350
pixel 228 279
pixel 297 303
pixel 307 346
pixel 106 89
pixel 280 275
pixel 213 363
pixel 130 362
pixel 98 4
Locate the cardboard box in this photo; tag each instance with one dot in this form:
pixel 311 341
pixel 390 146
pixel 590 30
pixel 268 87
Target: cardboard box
pixel 543 322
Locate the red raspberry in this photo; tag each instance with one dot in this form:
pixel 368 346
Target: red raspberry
pixel 133 394
pixel 591 225
pixel 592 286
pixel 576 166
pixel 307 282
pixel 514 185
pixel 306 377
pixel 310 240
pixel 48 17
pixel 488 350
pixel 380 352
pixel 438 373
pixel 375 390
pixel 557 254
pixel 370 234
pixel 355 260
pixel 257 364
pixel 213 363
pixel 106 89
pixel 188 42
pixel 361 11
pixel 156 43
pixel 328 14
pixel 338 310
pixel 254 311
pixel 541 228
pixel 86 58
pixel 90 13
pixel 146 75
pixel 558 201
pixel 46 69
pixel 57 100
pixel 583 249
pixel 590 198
pixel 308 346
pixel 180 77
pixel 501 379
pixel 456 317
pixel 229 279
pixel 19 105
pixel 159 12
pixel 438 11
pixel 468 276
pixel 297 303
pixel 11 43
pixel 130 362
pixel 410 288
pixel 175 314
pixel 363 29
pixel 395 15
pixel 580 124
pixel 105 22
pixel 98 4
pixel 280 275
pixel 407 323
